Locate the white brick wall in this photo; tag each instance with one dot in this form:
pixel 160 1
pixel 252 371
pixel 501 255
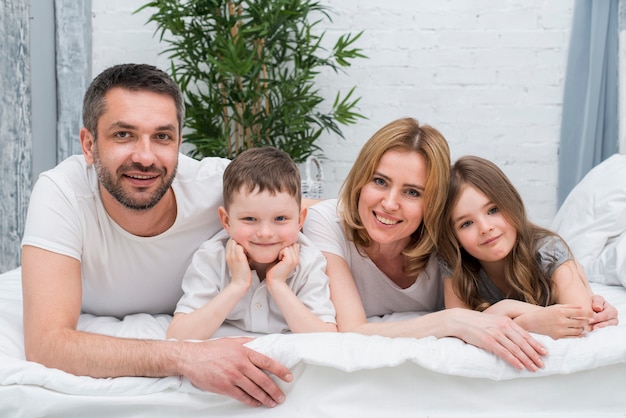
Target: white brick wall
pixel 488 74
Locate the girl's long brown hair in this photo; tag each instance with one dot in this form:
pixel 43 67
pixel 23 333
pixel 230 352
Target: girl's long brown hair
pixel 405 135
pixel 522 272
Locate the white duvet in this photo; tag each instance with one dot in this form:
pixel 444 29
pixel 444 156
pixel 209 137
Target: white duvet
pixel 345 375
pixel 335 375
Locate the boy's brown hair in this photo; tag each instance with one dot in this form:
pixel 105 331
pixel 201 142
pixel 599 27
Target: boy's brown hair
pixel 260 169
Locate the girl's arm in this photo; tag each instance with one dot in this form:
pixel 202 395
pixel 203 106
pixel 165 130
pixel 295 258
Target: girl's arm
pixel 572 287
pixel 554 321
pixel 512 308
pixel 497 334
pixel 571 314
pixel 507 307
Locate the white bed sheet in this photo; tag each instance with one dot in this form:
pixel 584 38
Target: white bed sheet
pixel 336 375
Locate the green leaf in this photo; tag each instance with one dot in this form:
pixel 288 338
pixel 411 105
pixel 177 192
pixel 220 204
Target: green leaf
pixel 249 77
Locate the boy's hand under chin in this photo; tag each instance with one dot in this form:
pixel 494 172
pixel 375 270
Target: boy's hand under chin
pixel 288 259
pixel 238 263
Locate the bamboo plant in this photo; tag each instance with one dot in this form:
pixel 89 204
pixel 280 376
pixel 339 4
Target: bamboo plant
pixel 248 71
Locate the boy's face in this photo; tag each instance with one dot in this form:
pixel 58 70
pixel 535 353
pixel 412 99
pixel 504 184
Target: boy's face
pixel 262 223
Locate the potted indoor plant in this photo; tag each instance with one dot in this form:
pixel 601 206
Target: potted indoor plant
pixel 247 69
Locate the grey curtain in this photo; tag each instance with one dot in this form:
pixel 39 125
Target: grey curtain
pixel 73 65
pixel 15 126
pixel 589 128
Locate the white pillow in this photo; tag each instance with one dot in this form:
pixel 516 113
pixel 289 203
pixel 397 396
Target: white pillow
pixel 592 220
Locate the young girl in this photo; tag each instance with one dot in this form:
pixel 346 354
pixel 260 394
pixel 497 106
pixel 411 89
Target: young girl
pixel 495 260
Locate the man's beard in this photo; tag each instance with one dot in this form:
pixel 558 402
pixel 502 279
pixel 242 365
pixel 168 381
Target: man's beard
pixel 110 183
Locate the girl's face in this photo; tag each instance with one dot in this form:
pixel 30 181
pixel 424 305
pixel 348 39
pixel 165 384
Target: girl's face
pixel 480 227
pixel 391 204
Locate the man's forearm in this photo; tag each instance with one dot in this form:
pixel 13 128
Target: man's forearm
pixel 87 354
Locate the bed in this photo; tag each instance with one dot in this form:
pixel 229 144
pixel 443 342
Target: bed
pixel 345 375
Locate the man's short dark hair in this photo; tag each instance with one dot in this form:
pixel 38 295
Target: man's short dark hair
pixel 134 77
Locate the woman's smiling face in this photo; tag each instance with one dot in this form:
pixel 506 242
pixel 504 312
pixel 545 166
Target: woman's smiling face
pixel 391 205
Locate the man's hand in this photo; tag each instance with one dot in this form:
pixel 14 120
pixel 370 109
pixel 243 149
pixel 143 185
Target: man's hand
pixel 226 367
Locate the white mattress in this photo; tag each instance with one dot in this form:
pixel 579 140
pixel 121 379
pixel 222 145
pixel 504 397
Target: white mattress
pixel 336 375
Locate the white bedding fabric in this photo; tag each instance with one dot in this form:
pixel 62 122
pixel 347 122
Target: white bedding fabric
pixel 592 220
pixel 336 375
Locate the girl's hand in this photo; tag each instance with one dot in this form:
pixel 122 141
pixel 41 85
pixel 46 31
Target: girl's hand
pixel 237 262
pixel 605 313
pixel 288 259
pixel 556 321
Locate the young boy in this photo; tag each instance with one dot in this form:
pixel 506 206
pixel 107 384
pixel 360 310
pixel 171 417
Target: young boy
pixel 261 273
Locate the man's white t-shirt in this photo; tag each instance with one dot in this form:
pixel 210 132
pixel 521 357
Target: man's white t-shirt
pixel 379 294
pixel 123 273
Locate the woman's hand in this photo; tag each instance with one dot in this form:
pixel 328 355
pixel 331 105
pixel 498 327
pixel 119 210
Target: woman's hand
pixel 499 335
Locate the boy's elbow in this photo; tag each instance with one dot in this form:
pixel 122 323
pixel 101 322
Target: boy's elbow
pixel 173 333
pixel 346 327
pixel 185 327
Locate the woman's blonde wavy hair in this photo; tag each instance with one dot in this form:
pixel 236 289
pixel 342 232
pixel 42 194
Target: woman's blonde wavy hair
pixel 405 135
